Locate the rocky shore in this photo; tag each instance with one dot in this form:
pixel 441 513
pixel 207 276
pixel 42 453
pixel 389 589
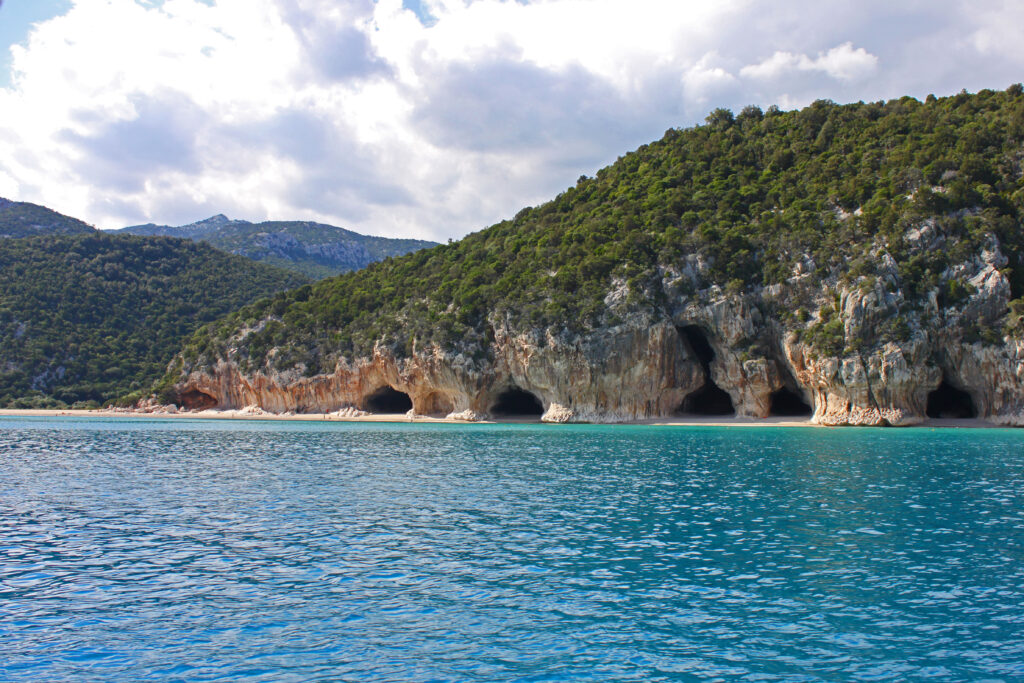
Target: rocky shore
pixel 172 412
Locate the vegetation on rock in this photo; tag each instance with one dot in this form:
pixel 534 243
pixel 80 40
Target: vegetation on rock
pixel 804 200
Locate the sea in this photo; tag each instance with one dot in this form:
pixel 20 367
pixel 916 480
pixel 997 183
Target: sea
pixel 208 550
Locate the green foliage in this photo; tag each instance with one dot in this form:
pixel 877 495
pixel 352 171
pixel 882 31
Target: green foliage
pixel 954 291
pixel 88 318
pixel 751 196
pixel 1015 320
pixel 828 333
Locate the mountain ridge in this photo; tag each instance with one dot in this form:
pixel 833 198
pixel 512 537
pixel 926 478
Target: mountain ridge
pixel 24 219
pixel 315 249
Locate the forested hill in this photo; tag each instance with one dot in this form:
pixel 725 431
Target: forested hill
pixel 92 317
pixel 21 219
pixel 746 203
pixel 314 249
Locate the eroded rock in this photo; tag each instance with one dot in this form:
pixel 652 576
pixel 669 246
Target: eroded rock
pixel 647 363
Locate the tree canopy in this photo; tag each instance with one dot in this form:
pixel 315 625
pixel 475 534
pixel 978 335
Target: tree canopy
pixel 88 318
pixel 748 197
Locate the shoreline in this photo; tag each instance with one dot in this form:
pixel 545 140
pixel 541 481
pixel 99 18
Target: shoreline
pixel 683 421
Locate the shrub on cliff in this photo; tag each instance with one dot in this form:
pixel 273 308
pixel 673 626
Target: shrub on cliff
pixel 751 199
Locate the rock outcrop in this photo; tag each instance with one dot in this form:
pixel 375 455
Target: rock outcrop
pixel 858 264
pixel 654 364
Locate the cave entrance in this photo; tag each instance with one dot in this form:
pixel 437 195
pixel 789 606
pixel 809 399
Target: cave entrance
pixel 387 400
pixel 710 399
pixel 515 402
pixel 787 403
pixel 194 399
pixel 437 403
pixel 951 403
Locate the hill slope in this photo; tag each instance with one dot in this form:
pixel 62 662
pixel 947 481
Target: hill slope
pixel 314 249
pixel 91 317
pixel 861 261
pixel 21 219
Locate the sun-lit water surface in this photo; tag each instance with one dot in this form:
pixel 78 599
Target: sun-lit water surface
pixel 268 551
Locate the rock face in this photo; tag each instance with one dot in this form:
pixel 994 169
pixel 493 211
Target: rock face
pixel 592 379
pixel 856 264
pixel 707 351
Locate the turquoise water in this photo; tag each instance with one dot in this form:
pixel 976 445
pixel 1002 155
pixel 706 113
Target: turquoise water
pixel 266 551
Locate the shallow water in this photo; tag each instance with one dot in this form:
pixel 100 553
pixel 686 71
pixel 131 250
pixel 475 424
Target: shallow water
pixel 291 551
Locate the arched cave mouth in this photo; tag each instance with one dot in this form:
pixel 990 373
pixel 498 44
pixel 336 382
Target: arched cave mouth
pixel 951 403
pixel 710 399
pixel 194 399
pixel 515 402
pixel 388 400
pixel 787 403
pixel 438 404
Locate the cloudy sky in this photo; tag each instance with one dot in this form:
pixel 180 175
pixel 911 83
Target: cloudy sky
pixel 427 118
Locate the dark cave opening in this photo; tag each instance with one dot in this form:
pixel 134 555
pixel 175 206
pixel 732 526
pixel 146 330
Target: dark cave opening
pixel 949 402
pixel 698 341
pixel 514 402
pixel 710 399
pixel 194 399
pixel 388 400
pixel 787 403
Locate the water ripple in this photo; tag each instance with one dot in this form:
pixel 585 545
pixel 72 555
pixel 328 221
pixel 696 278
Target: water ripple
pixel 175 550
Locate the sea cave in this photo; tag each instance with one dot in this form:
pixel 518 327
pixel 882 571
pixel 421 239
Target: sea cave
pixel 387 400
pixel 710 399
pixel 515 402
pixel 949 402
pixel 787 403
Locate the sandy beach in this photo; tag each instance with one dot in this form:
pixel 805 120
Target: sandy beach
pixel 688 420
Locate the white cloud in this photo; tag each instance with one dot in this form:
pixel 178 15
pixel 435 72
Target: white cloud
pixel 703 80
pixel 356 113
pixel 843 62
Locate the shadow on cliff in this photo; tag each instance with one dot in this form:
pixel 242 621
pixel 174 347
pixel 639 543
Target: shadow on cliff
pixel 710 399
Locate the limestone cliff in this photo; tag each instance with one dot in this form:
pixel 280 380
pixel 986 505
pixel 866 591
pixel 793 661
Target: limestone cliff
pixel 646 366
pixel 859 264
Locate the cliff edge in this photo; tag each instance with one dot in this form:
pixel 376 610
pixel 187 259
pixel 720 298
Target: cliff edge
pixel 860 264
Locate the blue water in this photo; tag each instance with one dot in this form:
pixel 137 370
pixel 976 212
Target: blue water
pixel 138 550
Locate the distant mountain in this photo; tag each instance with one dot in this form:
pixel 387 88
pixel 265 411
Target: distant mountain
pixel 313 249
pixel 21 219
pixel 89 318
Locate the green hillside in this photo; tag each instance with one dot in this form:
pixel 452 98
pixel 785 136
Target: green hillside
pixel 740 203
pixel 88 318
pixel 313 249
pixel 21 219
